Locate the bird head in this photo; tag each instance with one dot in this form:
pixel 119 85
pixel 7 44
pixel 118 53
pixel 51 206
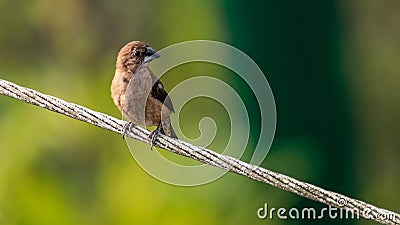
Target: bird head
pixel 134 54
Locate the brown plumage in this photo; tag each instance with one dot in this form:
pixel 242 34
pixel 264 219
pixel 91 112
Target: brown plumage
pixel 138 93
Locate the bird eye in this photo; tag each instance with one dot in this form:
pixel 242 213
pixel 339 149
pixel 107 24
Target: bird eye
pixel 137 53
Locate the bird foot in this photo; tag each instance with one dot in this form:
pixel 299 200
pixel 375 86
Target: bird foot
pixel 153 136
pixel 125 129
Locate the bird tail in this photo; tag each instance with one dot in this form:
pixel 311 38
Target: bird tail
pixel 167 128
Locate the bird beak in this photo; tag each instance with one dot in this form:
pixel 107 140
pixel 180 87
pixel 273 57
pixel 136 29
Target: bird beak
pixel 150 55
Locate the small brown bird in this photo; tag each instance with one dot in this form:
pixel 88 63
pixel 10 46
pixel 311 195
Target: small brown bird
pixel 138 93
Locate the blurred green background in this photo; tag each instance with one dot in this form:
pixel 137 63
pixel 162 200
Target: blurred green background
pixel 333 67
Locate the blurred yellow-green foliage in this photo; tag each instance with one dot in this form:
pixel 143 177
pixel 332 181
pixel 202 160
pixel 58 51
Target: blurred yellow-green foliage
pixel 334 67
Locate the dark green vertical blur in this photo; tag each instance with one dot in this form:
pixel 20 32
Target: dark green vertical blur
pixel 296 44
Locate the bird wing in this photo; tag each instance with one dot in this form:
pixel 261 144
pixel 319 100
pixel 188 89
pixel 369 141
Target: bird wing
pixel 158 92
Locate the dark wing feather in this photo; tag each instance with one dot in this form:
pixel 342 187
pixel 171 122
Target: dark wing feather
pixel 158 92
